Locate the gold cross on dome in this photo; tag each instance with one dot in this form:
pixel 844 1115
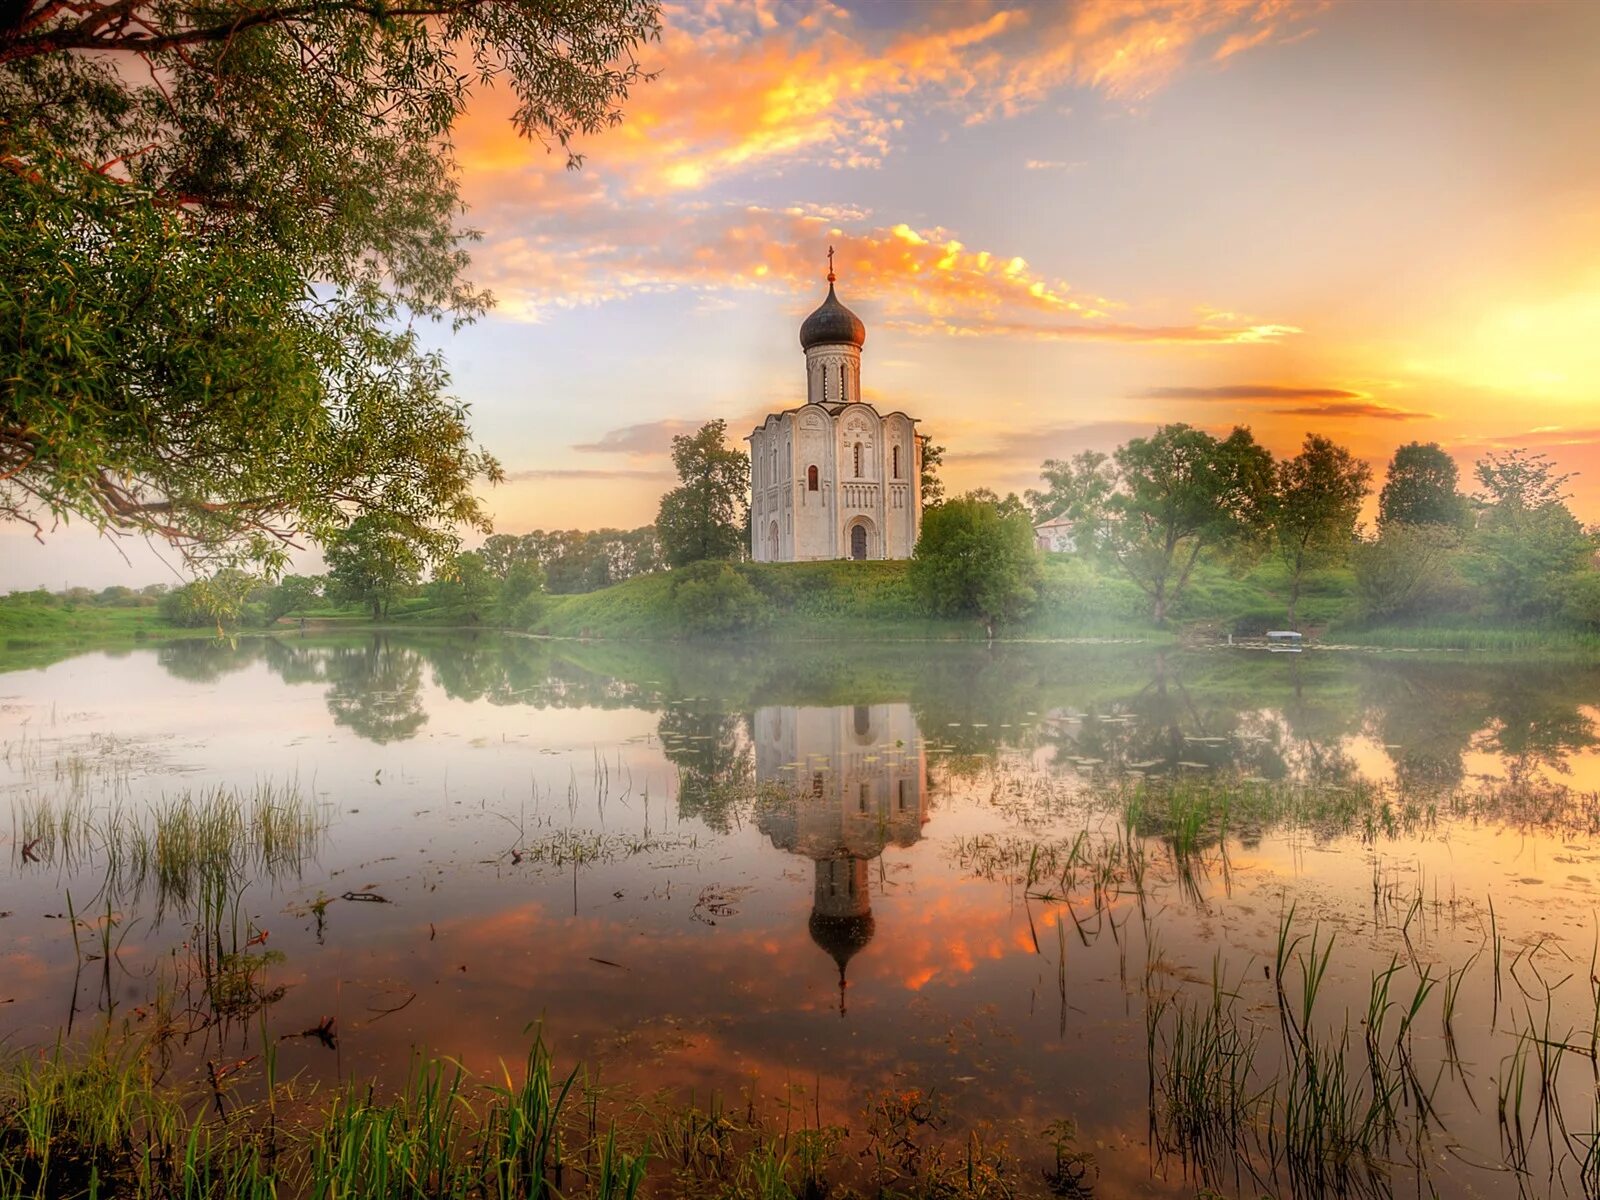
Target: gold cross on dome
pixel 830 265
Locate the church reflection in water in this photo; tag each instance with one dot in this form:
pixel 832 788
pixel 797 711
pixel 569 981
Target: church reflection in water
pixel 858 778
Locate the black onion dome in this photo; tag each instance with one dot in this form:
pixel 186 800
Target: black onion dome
pixel 832 323
pixel 842 937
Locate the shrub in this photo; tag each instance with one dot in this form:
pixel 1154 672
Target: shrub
pixel 1581 601
pixel 974 560
pixel 1409 571
pixel 711 599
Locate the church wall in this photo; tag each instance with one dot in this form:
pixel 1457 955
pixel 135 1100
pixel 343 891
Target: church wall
pixel 814 511
pixel 771 491
pixel 902 495
pixel 859 446
pixel 858 774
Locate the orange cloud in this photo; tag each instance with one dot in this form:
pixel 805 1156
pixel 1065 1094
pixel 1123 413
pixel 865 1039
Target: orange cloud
pixel 1355 408
pixel 1204 333
pixel 927 280
pixel 738 90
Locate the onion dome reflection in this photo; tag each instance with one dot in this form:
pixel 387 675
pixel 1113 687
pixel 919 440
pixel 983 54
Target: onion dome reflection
pixel 857 781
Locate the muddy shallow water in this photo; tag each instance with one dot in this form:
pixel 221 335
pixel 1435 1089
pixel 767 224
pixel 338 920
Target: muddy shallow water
pixel 836 873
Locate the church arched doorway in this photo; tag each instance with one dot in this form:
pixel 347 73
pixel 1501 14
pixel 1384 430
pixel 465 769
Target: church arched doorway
pixel 772 543
pixel 858 540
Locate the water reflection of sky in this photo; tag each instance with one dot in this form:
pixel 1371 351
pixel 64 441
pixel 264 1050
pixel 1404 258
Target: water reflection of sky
pixel 829 936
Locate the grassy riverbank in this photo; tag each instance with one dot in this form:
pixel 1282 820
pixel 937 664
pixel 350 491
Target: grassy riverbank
pixel 844 602
pixel 828 601
pixel 33 635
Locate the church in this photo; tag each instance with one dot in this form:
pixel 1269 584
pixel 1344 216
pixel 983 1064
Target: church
pixel 834 478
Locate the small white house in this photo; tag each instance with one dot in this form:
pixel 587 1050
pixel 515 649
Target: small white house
pixel 1055 536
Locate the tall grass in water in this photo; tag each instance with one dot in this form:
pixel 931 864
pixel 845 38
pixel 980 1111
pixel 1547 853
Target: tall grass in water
pixel 1202 1058
pixel 98 1125
pixel 180 847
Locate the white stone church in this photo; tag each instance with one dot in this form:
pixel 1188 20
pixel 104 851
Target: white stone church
pixel 834 478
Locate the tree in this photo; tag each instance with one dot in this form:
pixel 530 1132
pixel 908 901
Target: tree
pixel 1007 505
pixel 217 601
pixel 291 594
pixel 705 517
pixel 372 562
pixel 932 486
pixel 1078 489
pixel 468 588
pixel 220 221
pixel 1182 494
pixel 1315 507
pixel 1409 571
pixel 1519 480
pixel 974 560
pixel 1527 546
pixel 1421 489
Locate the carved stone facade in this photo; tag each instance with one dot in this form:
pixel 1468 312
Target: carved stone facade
pixel 834 478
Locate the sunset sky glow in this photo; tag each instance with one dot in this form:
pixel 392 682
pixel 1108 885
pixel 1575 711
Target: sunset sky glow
pixel 1062 225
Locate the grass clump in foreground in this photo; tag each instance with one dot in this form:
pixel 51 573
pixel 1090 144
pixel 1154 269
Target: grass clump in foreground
pixel 100 1124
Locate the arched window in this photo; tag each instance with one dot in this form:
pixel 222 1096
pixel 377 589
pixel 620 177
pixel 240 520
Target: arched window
pixel 811 479
pixel 858 460
pixel 844 391
pixel 897 462
pixel 863 720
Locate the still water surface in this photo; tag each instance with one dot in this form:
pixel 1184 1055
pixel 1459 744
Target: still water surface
pixel 827 874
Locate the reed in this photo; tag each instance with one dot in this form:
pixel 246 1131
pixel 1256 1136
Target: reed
pixel 177 848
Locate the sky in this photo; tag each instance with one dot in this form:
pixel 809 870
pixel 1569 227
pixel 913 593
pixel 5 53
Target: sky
pixel 1063 224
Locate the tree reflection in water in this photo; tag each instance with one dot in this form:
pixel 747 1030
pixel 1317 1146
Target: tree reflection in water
pixel 376 689
pixel 1119 707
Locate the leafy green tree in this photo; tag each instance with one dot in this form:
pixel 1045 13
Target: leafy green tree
pixel 372 563
pixel 1315 506
pixel 975 560
pixel 219 600
pixel 1078 489
pixel 1410 571
pixel 468 589
pixel 1182 494
pixel 291 594
pixel 220 221
pixel 932 485
pixel 705 517
pixel 1527 546
pixel 1007 505
pixel 1422 489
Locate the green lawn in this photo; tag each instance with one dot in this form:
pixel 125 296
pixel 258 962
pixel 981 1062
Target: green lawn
pixel 34 635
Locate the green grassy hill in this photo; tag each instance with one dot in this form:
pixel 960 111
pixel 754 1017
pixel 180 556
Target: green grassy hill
pixel 842 600
pixel 34 634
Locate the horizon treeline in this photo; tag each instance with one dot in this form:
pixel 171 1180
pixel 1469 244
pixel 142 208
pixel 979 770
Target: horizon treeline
pixel 1146 524
pixel 1158 508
